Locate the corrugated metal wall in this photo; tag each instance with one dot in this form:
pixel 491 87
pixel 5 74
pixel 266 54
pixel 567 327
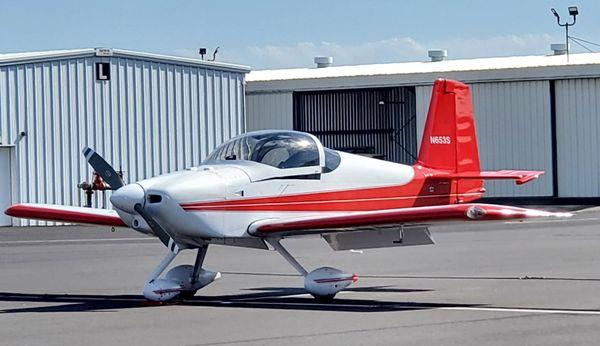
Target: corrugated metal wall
pixel 577 132
pixel 266 111
pixel 374 121
pixel 150 118
pixel 6 177
pixel 513 129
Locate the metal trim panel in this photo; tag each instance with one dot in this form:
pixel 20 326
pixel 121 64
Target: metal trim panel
pixel 495 69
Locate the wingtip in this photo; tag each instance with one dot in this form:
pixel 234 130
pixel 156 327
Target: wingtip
pixel 13 210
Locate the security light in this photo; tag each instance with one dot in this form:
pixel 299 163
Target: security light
pixel 202 52
pixel 573 10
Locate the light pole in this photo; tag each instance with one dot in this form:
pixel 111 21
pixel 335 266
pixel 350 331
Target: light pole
pixel 573 11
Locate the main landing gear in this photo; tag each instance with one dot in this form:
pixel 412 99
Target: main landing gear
pixel 182 281
pixel 322 283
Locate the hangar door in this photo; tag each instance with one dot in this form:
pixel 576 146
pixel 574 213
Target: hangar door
pixel 375 122
pixel 5 176
pixel 577 141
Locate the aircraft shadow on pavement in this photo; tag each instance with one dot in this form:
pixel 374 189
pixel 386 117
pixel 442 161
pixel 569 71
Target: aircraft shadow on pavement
pixel 283 298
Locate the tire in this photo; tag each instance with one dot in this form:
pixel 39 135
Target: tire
pixel 324 299
pixel 187 294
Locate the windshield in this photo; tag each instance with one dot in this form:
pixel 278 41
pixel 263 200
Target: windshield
pixel 284 149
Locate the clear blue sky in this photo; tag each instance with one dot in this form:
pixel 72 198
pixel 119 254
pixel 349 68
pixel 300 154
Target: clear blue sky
pixel 282 33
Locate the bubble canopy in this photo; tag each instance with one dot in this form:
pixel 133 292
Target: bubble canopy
pixel 279 149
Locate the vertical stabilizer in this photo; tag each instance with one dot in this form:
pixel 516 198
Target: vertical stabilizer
pixel 449 140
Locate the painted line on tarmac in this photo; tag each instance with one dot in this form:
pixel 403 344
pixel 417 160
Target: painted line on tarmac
pixel 552 221
pixel 253 301
pixel 93 240
pixel 527 310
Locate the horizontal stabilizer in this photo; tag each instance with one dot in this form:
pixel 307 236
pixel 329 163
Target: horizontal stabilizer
pixel 520 177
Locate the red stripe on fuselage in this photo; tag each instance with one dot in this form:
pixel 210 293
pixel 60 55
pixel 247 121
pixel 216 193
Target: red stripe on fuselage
pixel 423 190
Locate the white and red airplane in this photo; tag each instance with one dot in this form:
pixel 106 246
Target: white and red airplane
pixel 261 187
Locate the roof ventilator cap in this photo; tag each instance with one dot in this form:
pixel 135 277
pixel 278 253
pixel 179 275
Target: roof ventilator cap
pixel 558 48
pixel 323 61
pixel 437 54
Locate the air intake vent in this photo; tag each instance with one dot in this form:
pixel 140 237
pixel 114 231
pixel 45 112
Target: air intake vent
pixel 154 199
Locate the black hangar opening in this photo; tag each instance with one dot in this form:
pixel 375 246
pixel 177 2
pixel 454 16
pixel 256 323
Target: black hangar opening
pixel 377 122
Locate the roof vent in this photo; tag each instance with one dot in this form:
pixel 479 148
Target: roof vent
pixel 323 61
pixel 559 48
pixel 437 54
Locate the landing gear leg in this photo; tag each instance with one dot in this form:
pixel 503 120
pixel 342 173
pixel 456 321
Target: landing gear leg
pixel 275 243
pixel 322 283
pixel 198 276
pixel 162 266
pixel 198 263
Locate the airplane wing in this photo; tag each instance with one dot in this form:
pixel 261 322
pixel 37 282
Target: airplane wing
pixel 61 213
pixel 428 214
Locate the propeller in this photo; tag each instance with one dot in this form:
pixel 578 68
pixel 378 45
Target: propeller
pixel 104 170
pixel 158 230
pixel 129 198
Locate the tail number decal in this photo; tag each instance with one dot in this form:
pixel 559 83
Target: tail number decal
pixel 440 140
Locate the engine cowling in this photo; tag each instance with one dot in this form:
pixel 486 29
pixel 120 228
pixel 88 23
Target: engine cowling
pixel 326 282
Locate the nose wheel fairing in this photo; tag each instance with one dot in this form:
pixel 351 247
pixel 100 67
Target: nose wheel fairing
pixel 182 281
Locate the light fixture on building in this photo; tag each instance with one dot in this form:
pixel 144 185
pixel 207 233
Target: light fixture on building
pixel 573 11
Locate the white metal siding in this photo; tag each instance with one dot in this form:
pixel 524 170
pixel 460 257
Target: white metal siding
pixel 513 130
pixel 269 111
pixel 5 184
pixel 577 128
pixel 150 118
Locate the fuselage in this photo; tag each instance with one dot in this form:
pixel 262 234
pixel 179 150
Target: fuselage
pixel 223 198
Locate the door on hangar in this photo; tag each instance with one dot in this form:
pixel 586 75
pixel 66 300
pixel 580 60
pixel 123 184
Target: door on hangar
pixel 378 122
pixel 577 137
pixel 5 188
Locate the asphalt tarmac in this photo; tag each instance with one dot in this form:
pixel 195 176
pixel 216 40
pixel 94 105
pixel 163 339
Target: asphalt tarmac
pixel 533 282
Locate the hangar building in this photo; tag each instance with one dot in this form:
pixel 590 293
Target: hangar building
pixel 145 113
pixel 532 112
